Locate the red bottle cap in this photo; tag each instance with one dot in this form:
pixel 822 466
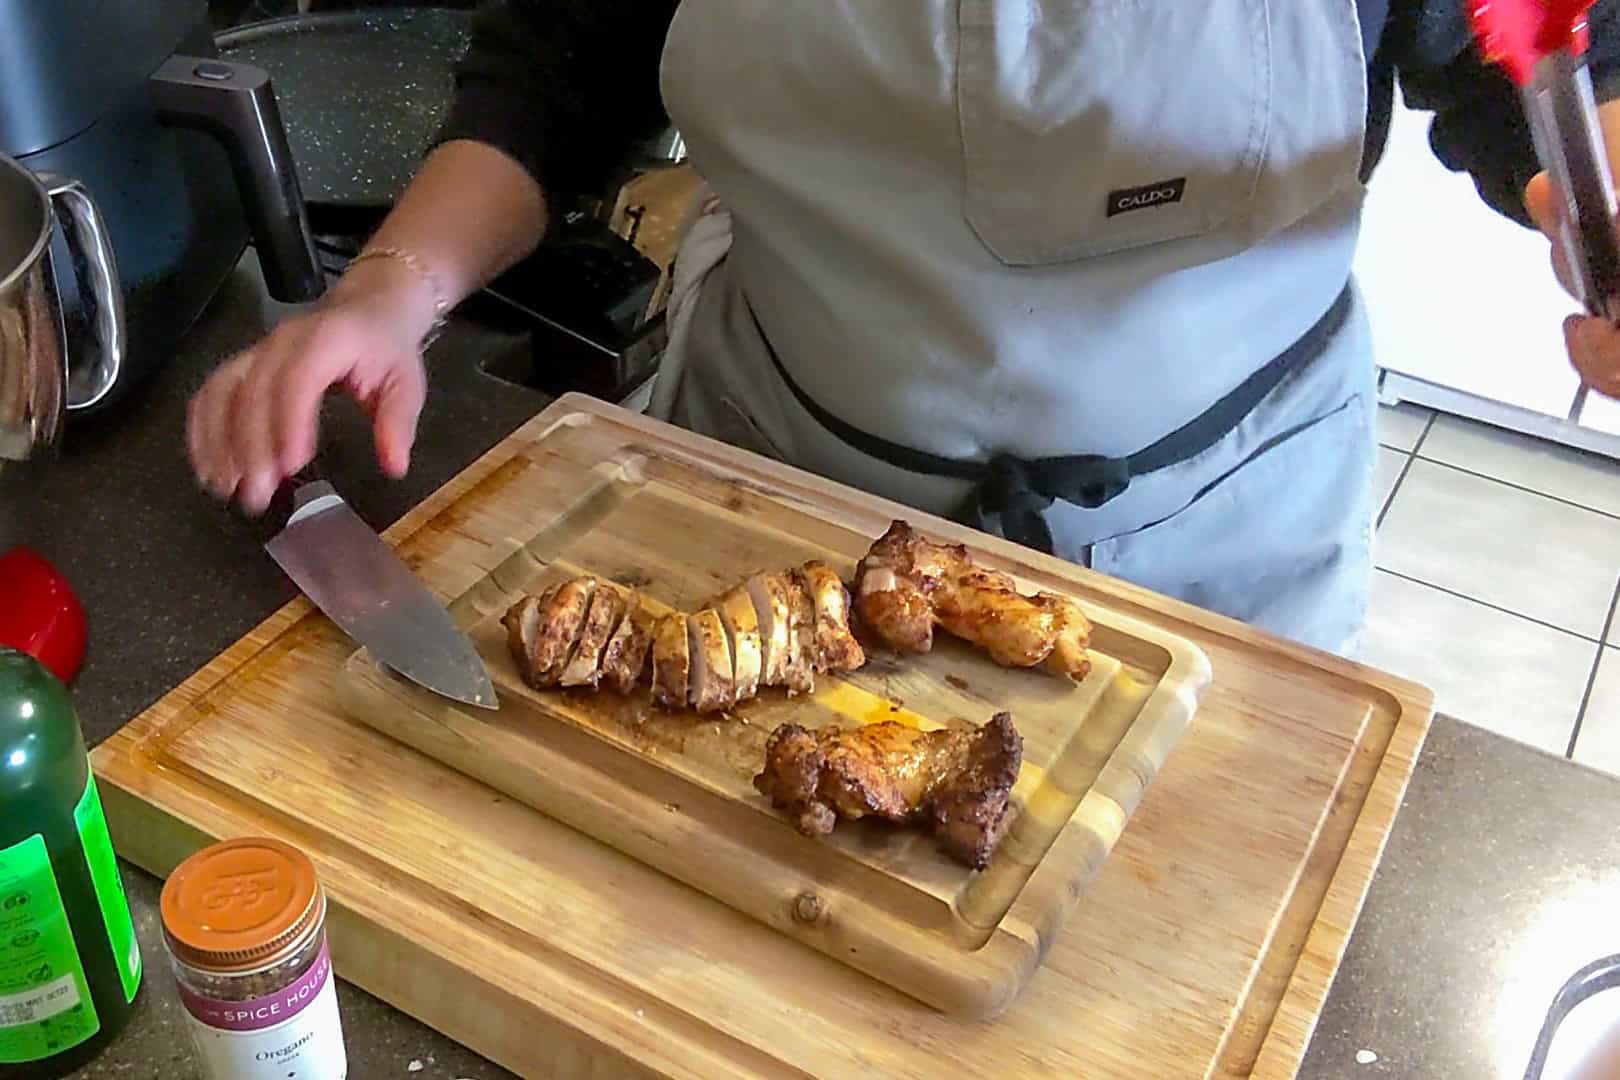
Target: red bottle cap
pixel 39 613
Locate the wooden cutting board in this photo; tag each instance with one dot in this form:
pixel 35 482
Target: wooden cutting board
pixel 1204 947
pixel 675 790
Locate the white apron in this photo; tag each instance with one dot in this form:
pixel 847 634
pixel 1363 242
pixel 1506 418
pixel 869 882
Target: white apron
pixel 1041 228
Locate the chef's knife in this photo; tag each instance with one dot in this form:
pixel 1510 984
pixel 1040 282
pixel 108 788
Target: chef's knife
pixel 1541 44
pixel 347 571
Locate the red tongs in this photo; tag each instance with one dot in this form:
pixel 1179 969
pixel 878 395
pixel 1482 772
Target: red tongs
pixel 1542 46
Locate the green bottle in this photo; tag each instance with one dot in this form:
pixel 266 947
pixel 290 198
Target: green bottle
pixel 69 961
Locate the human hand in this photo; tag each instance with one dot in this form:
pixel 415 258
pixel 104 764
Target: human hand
pixel 1593 343
pixel 255 420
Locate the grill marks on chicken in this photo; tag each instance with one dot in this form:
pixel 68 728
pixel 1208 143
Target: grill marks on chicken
pixel 773 630
pixel 958 782
pixel 584 667
pixel 671 662
pixel 711 688
pixel 741 623
pixel 627 652
pixel 907 584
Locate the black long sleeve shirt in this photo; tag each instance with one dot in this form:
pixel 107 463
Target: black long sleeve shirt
pixel 566 88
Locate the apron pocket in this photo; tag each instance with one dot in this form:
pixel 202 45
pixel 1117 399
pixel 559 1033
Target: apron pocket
pixel 1283 541
pixel 1096 126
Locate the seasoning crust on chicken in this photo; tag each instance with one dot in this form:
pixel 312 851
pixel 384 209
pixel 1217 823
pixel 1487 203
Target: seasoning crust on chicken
pixel 958 782
pixel 778 629
pixel 628 652
pixel 907 584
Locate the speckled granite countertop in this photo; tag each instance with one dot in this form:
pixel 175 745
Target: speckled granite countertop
pixel 1501 878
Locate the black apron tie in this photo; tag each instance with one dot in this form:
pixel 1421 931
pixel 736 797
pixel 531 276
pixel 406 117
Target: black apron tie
pixel 1019 491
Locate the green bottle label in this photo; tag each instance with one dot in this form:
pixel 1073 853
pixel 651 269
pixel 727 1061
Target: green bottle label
pixel 109 885
pixel 45 1004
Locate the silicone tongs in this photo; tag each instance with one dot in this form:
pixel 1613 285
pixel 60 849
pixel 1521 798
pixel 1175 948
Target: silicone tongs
pixel 1542 46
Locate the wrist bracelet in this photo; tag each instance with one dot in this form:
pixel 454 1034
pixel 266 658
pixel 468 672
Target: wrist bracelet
pixel 441 303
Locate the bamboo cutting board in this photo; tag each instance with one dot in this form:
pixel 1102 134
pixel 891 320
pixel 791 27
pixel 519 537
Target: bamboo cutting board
pixel 1204 947
pixel 675 791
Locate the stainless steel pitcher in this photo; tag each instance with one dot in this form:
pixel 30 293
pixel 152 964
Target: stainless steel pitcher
pixel 38 381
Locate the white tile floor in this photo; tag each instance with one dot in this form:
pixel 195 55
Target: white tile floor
pixel 1498 574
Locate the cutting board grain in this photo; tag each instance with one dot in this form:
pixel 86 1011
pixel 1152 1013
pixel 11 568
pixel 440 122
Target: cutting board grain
pixel 675 790
pixel 1204 946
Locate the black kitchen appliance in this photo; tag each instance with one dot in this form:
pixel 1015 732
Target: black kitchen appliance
pixel 363 92
pixel 184 153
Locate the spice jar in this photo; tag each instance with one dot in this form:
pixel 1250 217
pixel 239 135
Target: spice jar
pixel 245 924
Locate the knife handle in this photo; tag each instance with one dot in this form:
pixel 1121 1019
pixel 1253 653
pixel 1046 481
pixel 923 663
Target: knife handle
pixel 295 493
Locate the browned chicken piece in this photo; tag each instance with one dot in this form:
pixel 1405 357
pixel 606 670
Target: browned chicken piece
pixel 959 782
pixel 895 608
pixel 624 658
pixel 799 670
pixel 1070 654
pixel 836 647
pixel 561 620
pixel 522 622
pixel 906 584
pixel 770 596
pixel 985 607
pixel 584 668
pixel 742 632
pixel 671 661
pixel 710 687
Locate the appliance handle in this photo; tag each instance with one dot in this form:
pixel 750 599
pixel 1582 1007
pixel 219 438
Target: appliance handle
pixel 235 103
pixel 94 265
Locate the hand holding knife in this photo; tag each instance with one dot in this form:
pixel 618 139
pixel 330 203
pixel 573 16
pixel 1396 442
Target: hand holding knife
pixel 1542 46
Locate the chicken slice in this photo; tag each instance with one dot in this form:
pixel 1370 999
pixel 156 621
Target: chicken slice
pixel 836 647
pixel 624 658
pixel 671 661
pixel 710 687
pixel 560 625
pixel 742 631
pixel 522 622
pixel 770 596
pixel 584 668
pixel 799 674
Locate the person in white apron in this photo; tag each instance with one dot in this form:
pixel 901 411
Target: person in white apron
pixel 1076 271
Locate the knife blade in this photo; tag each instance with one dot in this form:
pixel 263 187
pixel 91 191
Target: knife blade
pixel 348 572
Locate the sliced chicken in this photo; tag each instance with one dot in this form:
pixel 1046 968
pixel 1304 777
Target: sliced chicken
pixel 584 668
pixel 710 687
pixel 671 661
pixel 522 624
pixel 560 624
pixel 624 658
pixel 742 631
pixel 836 647
pixel 799 673
pixel 769 593
pixel 773 630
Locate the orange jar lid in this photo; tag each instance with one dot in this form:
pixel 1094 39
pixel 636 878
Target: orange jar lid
pixel 241 904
